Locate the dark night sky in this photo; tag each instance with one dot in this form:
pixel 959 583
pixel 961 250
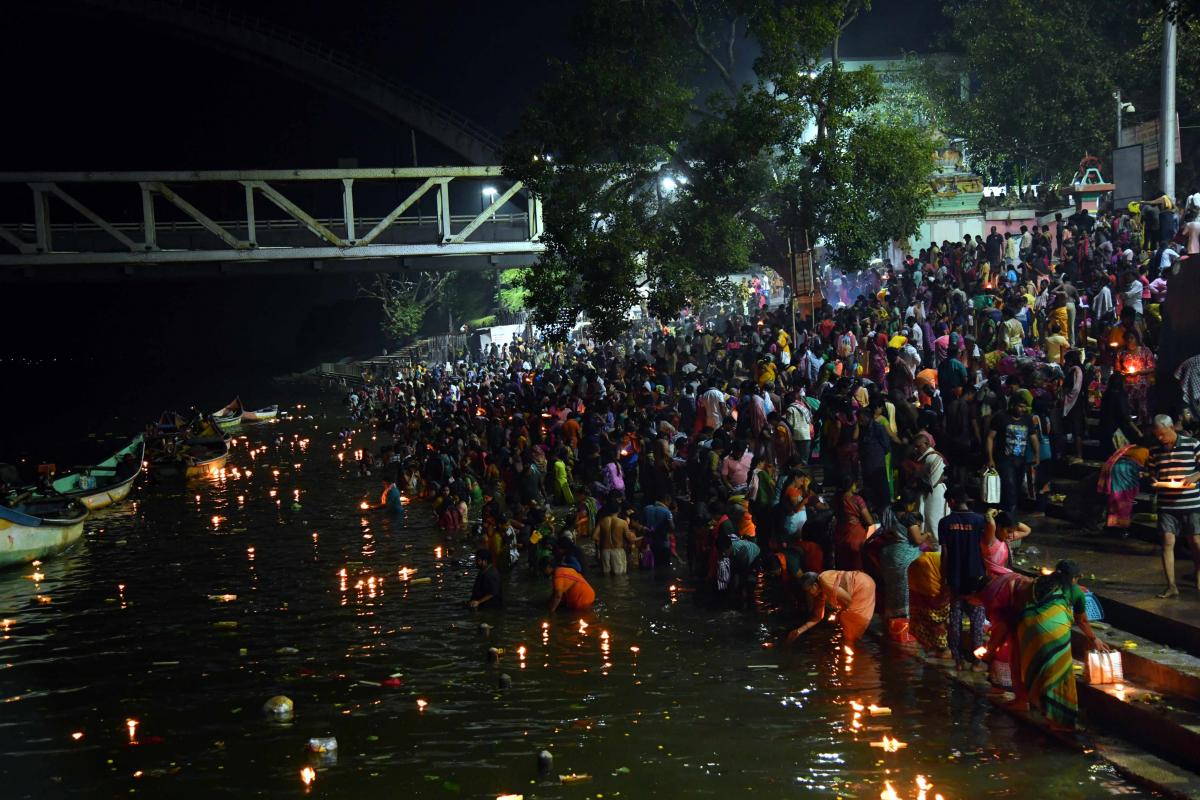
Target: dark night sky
pixel 88 89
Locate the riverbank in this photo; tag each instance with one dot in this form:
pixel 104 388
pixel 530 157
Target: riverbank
pixel 190 606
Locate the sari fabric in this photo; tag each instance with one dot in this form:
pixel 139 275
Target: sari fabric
pixel 1119 479
pixel 1044 638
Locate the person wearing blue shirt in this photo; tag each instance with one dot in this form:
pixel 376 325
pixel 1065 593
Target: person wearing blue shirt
pixel 660 524
pixel 961 534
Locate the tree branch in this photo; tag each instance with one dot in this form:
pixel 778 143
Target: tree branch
pixel 730 83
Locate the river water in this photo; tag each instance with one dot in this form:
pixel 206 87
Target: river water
pixel 185 609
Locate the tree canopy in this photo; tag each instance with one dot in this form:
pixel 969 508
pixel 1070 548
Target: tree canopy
pixel 691 139
pixel 1040 77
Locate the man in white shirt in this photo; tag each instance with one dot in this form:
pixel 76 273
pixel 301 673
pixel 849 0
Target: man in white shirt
pixel 713 404
pixel 1169 259
pixel 799 421
pixel 1102 304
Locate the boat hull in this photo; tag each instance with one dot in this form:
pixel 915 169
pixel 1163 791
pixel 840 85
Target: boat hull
pixel 226 423
pixel 21 544
pixel 261 415
pixel 202 468
pixel 103 498
pixel 98 497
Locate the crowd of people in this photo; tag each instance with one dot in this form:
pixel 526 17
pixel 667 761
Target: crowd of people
pixel 881 457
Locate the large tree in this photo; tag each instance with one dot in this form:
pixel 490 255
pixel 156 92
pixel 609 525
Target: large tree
pixel 690 139
pixel 1029 84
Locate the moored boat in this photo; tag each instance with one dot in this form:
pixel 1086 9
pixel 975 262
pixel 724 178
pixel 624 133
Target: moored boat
pixel 204 456
pixel 230 416
pixel 39 528
pixel 261 415
pixel 107 482
pixel 198 448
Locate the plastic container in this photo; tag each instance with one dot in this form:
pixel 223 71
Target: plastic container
pixel 323 744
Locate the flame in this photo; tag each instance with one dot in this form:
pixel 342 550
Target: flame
pixel 888 793
pixel 364 505
pixel 421 704
pixel 889 744
pixel 77 735
pixel 132 725
pixel 980 652
pixel 308 775
pixel 437 552
pixel 857 706
pixel 635 649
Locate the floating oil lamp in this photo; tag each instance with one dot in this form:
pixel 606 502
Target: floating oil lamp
pixel 582 626
pixel 132 725
pixel 364 505
pixel 421 704
pixel 437 552
pixel 5 624
pixel 889 744
pixel 307 776
pixel 635 649
pixel 857 706
pixel 77 735
pixel 879 711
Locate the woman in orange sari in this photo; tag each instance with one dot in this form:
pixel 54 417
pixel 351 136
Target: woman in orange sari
pixel 852 595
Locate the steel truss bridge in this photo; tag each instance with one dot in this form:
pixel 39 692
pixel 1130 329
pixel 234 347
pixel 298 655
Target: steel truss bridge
pixel 178 223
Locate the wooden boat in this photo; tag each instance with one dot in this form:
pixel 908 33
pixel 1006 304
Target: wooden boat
pixel 230 416
pixel 261 415
pixel 107 482
pixel 204 456
pixel 38 528
pixel 198 448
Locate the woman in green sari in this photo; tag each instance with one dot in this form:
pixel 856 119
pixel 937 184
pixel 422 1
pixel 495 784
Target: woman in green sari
pixel 1044 633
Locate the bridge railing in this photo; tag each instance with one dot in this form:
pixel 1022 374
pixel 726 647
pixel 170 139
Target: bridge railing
pixel 102 232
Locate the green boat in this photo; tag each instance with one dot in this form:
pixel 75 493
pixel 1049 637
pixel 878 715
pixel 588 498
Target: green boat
pixel 107 482
pixel 230 416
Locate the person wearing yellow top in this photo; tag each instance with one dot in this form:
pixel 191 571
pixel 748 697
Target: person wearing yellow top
pixel 768 373
pixel 1056 344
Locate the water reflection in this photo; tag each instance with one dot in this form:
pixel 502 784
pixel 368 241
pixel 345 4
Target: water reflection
pixel 177 617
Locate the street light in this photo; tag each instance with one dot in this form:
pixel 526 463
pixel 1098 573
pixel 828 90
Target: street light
pixel 489 196
pixel 1122 108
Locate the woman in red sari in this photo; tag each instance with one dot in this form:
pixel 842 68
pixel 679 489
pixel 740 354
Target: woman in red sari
pixel 853 520
pixel 1003 597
